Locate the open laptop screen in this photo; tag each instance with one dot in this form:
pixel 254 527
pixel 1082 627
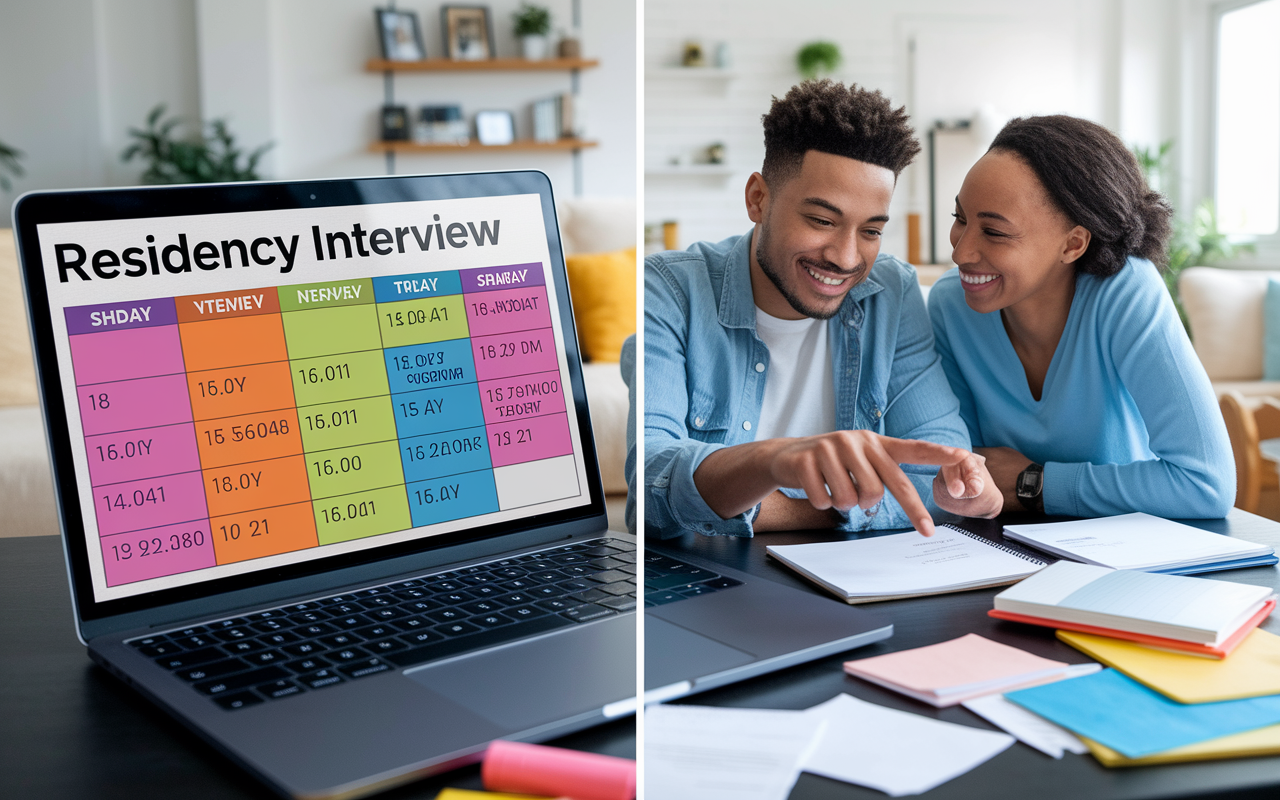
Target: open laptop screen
pixel 252 390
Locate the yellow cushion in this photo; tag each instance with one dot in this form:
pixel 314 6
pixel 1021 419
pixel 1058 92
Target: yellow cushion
pixel 603 286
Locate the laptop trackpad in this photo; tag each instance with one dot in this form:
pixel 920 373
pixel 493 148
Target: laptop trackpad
pixel 673 653
pixel 529 683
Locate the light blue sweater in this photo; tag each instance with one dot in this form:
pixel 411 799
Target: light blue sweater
pixel 1127 420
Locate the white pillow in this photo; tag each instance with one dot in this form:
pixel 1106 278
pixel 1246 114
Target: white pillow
pixel 1224 307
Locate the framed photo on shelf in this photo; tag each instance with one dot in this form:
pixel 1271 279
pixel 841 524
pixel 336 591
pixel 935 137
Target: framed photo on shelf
pixel 399 34
pixel 495 127
pixel 395 123
pixel 468 36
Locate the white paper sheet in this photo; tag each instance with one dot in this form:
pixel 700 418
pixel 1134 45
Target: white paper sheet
pixel 896 752
pixel 1031 729
pixel 702 753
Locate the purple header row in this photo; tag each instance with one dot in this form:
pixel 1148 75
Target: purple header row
pixel 163 311
pixel 491 279
pixel 115 316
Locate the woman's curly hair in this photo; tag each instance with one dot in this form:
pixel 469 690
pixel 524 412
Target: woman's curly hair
pixel 829 117
pixel 1092 178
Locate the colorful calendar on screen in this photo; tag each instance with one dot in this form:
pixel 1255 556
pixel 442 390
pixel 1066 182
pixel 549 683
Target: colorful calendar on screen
pixel 272 421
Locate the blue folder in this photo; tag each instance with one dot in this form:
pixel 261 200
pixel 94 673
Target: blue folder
pixel 1126 716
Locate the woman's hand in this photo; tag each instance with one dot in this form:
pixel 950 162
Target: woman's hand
pixel 1005 465
pixel 967 489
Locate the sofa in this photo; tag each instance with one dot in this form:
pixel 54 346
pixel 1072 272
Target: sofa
pixel 26 485
pixel 1224 309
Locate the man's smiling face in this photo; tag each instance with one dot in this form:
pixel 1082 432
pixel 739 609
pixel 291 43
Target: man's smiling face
pixel 817 234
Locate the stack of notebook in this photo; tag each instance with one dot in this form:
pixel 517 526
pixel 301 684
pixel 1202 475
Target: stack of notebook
pixel 1191 615
pixel 1142 542
pixel 1163 701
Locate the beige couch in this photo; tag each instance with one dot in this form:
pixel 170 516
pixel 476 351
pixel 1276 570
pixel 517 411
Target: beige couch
pixel 1224 307
pixel 26 486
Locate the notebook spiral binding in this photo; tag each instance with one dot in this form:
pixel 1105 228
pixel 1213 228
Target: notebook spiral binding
pixel 987 541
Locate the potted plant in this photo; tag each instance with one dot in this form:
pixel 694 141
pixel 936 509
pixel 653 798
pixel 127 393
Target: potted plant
pixel 204 158
pixel 533 23
pixel 9 163
pixel 818 59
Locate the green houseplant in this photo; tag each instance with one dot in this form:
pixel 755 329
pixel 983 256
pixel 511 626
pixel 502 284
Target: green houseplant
pixel 533 23
pixel 818 58
pixel 210 156
pixel 1195 243
pixel 9 157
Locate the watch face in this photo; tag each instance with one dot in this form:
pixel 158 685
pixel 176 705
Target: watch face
pixel 1029 482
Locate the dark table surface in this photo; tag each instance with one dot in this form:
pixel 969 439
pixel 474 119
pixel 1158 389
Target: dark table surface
pixel 70 730
pixel 1020 772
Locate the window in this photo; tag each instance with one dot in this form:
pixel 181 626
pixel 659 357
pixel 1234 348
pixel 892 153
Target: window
pixel 1247 162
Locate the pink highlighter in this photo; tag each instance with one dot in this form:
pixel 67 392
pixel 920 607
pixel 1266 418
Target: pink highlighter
pixel 551 771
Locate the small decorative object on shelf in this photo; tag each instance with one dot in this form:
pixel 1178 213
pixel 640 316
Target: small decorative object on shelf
pixel 399 35
pixel 693 55
pixel 818 59
pixel 467 34
pixel 495 127
pixel 715 153
pixel 533 23
pixel 724 55
pixel 395 123
pixel 441 125
pixel 570 45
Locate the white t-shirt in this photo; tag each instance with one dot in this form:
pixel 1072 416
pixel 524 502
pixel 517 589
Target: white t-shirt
pixel 799 391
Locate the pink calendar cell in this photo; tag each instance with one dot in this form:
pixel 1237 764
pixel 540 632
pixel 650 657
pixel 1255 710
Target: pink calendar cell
pixel 509 354
pixel 156 552
pixel 147 453
pixel 123 354
pixel 149 503
pixel 531 439
pixel 507 310
pixel 508 399
pixel 135 404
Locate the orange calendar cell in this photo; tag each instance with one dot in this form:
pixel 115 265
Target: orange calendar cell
pixel 231 391
pixel 217 343
pixel 248 438
pixel 260 484
pixel 265 532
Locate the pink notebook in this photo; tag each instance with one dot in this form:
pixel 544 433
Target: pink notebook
pixel 962 669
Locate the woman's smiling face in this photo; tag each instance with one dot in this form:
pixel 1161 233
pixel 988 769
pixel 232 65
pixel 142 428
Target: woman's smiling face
pixel 1009 240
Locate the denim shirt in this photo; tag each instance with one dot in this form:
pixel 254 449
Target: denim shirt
pixel 705 370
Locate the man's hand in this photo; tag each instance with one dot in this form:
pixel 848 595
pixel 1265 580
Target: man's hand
pixel 967 489
pixel 1005 465
pixel 839 470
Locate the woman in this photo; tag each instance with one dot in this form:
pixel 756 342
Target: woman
pixel 1074 374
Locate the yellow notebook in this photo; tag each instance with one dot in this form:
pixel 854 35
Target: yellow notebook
pixel 470 794
pixel 1251 671
pixel 1260 742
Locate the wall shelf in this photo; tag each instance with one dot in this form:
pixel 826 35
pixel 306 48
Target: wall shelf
pixel 525 145
pixel 489 65
pixel 691 73
pixel 692 171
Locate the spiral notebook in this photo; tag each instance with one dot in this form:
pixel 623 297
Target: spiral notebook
pixel 899 565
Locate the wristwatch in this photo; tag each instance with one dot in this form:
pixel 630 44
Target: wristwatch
pixel 1030 488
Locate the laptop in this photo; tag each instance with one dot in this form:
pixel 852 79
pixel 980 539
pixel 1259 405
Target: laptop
pixel 325 471
pixel 707 625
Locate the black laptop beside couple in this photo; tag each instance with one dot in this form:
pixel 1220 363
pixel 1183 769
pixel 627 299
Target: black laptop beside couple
pixel 325 471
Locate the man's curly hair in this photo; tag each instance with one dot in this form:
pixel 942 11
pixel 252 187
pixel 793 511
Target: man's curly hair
pixel 828 117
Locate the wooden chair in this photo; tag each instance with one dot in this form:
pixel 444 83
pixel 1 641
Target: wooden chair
pixel 1249 421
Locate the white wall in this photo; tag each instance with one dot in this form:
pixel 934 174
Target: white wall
pixel 1132 65
pixel 76 74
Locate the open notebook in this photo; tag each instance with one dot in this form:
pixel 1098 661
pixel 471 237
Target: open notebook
pixel 901 565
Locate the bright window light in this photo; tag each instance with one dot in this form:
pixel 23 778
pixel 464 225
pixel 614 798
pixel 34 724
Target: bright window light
pixel 1248 157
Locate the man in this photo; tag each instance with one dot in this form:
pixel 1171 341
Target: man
pixel 790 371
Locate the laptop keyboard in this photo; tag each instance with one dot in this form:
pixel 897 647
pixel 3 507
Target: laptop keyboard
pixel 309 646
pixel 668 580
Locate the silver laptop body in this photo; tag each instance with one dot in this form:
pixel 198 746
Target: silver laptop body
pixel 383 405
